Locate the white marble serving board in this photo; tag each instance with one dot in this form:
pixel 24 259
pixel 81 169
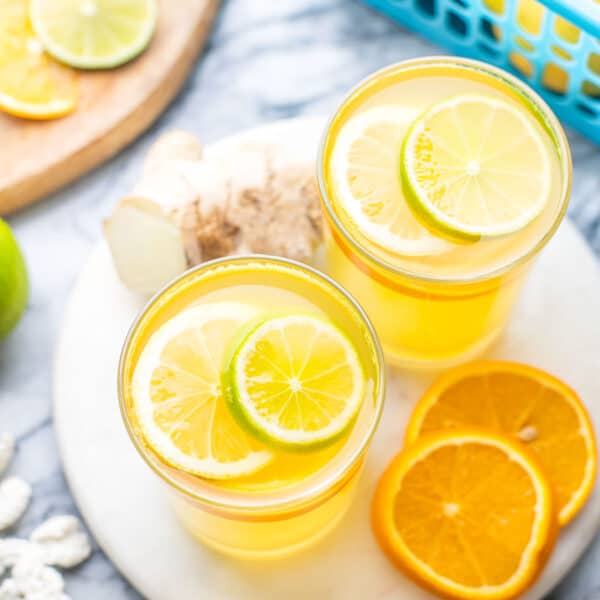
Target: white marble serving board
pixel 556 326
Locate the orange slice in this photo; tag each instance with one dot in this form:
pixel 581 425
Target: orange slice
pixel 32 85
pixel 466 514
pixel 528 404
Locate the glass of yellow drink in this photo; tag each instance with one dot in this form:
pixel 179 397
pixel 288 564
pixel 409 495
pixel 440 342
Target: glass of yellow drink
pixel 299 494
pixel 439 292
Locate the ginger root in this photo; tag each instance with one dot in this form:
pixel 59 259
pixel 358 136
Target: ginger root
pixel 189 208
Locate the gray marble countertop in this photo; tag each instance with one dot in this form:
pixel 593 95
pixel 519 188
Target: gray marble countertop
pixel 266 60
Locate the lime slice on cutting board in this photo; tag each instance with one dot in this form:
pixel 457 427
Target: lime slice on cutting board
pixel 296 382
pixel 475 166
pixel 177 398
pixel 94 34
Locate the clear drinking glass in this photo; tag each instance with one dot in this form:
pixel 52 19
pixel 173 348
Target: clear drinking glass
pixel 245 519
pixel 430 312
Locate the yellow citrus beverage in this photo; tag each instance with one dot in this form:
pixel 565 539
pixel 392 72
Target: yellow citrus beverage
pixel 441 179
pixel 252 386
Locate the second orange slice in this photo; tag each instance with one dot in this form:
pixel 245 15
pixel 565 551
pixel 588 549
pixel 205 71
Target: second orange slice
pixel 529 405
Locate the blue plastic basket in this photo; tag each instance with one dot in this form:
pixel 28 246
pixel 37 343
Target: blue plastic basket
pixel 554 45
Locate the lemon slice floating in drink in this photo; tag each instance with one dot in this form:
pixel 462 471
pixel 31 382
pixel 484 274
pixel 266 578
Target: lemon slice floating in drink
pixel 94 34
pixel 364 168
pixel 176 391
pixel 475 166
pixel 296 382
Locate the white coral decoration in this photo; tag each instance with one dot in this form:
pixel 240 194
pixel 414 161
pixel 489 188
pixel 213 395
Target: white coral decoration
pixel 59 541
pixel 7 446
pixel 14 498
pixel 11 549
pixel 33 580
pixel 62 541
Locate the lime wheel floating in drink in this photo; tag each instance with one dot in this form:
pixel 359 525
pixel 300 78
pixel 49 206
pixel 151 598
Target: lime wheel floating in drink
pixel 295 382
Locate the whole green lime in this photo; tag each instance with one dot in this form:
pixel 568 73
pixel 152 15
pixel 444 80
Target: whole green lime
pixel 14 288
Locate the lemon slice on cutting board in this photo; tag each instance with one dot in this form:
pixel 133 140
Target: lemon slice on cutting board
pixel 296 382
pixel 94 34
pixel 364 173
pixel 177 398
pixel 475 166
pixel 32 84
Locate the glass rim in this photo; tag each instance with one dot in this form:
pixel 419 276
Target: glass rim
pixel 239 500
pixel 533 99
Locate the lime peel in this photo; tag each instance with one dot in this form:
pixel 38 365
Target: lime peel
pixel 14 286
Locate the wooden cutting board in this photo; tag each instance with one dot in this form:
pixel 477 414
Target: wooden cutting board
pixel 37 158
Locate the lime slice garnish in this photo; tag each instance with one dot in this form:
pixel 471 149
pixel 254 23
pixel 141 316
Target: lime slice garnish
pixel 364 173
pixel 176 391
pixel 475 166
pixel 94 34
pixel 14 287
pixel 296 382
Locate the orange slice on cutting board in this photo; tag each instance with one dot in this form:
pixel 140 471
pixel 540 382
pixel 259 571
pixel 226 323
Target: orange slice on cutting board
pixel 466 514
pixel 528 404
pixel 32 84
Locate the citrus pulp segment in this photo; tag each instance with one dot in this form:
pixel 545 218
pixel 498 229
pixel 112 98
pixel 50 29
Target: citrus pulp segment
pixel 177 397
pixel 94 34
pixel 467 514
pixel 475 166
pixel 364 167
pixel 527 404
pixel 296 382
pixel 32 84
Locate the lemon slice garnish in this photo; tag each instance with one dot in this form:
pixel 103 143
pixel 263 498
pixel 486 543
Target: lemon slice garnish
pixel 176 390
pixel 367 186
